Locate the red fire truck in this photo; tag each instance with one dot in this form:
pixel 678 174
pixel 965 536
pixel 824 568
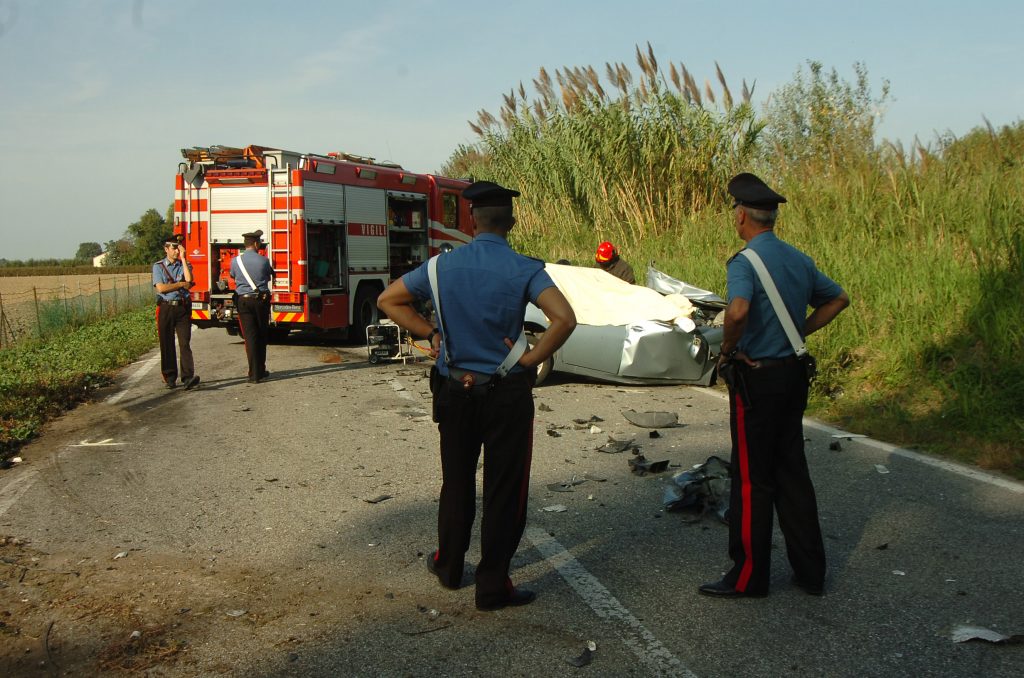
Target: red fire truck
pixel 337 229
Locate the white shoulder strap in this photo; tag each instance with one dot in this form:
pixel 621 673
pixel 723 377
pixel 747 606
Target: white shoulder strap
pixel 773 295
pixel 248 278
pixel 510 360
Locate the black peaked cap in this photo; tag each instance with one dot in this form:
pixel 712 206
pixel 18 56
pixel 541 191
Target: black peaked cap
pixel 489 194
pixel 749 190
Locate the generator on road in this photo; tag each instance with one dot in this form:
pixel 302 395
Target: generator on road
pixel 338 228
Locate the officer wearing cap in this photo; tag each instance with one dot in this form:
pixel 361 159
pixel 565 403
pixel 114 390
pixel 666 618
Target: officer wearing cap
pixel 252 274
pixel 608 259
pixel 483 289
pixel 768 394
pixel 172 278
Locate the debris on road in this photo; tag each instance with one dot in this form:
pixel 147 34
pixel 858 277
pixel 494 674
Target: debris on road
pixel 617 445
pixel 555 508
pixel 963 633
pixel 704 488
pixel 881 469
pixel 595 429
pixel 378 499
pixel 651 419
pixel 653 434
pixel 544 408
pixel 586 657
pixel 122 554
pixel 900 573
pixel 835 446
pixel 567 485
pixel 553 433
pixel 641 466
pixel 235 613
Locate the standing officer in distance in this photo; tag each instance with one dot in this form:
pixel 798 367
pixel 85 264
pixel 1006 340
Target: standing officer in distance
pixel 483 289
pixel 608 259
pixel 172 278
pixel 768 394
pixel 252 273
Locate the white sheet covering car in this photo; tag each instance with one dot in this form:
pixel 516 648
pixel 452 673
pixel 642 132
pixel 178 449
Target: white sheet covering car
pixel 630 334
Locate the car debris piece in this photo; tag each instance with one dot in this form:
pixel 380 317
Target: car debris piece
pixel 583 659
pixel 553 433
pixel 703 488
pixel 544 408
pixel 235 613
pixel 584 422
pixel 616 445
pixel 963 633
pixel 122 554
pixel 556 508
pixel 835 446
pixel 651 419
pixel 653 434
pixel 593 476
pixel 881 469
pixel 595 429
pixel 567 485
pixel 378 499
pixel 641 466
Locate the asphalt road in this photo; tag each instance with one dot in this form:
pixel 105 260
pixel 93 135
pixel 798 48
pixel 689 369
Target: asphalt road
pixel 230 531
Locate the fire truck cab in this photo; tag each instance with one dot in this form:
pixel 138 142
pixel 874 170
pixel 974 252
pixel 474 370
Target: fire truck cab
pixel 337 229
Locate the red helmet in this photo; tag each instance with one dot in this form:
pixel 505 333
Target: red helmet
pixel 605 252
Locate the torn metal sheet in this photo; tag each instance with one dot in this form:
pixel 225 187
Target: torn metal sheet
pixel 651 419
pixel 567 485
pixel 616 445
pixel 963 633
pixel 640 465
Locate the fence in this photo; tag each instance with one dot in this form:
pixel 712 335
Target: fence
pixel 39 308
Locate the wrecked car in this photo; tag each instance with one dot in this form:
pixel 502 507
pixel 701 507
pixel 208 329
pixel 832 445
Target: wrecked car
pixel 628 334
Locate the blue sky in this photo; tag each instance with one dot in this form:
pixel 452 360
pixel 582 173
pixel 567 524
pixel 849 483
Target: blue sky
pixel 98 96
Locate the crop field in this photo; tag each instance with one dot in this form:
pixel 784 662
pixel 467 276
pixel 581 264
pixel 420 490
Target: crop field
pixel 35 305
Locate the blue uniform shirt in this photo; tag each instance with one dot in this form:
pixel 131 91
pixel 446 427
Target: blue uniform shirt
pixel 800 285
pixel 484 288
pixel 160 277
pixel 259 269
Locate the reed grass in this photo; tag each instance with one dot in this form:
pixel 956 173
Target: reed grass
pixel 928 243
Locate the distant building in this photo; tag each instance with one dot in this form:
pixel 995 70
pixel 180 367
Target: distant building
pixel 100 260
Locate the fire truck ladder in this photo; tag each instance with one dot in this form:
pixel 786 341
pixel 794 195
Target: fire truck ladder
pixel 280 193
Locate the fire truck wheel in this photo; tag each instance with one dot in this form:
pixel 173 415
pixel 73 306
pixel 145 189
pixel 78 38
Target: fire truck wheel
pixel 544 369
pixel 364 312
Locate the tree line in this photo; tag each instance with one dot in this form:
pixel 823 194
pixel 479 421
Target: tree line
pixel 142 243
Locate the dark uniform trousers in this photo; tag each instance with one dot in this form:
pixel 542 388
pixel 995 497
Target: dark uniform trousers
pixel 254 323
pixel 769 471
pixel 175 320
pixel 501 420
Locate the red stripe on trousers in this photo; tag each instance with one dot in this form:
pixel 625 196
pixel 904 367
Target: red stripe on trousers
pixel 745 517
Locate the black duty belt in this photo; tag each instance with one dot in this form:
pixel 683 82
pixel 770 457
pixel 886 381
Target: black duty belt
pixel 764 363
pixel 473 383
pixel 250 295
pixel 173 302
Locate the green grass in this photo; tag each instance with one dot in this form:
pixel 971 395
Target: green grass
pixel 929 245
pixel 40 380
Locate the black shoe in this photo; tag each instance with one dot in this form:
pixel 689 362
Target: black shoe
pixel 518 597
pixel 253 380
pixel 170 385
pixel 432 568
pixel 809 589
pixel 265 375
pixel 191 383
pixel 720 589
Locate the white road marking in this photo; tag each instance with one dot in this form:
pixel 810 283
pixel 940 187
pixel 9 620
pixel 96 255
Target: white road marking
pixel 952 467
pixel 135 377
pixel 655 657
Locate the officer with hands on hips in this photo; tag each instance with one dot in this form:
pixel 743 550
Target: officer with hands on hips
pixel 768 386
pixel 483 289
pixel 172 278
pixel 252 273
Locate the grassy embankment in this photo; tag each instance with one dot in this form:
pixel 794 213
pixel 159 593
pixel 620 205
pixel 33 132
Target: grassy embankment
pixel 40 379
pixel 930 354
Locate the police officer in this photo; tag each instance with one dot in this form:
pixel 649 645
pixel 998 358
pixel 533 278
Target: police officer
pixel 483 288
pixel 608 259
pixel 768 394
pixel 172 278
pixel 252 273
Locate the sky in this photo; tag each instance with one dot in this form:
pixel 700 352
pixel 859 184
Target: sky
pixel 97 97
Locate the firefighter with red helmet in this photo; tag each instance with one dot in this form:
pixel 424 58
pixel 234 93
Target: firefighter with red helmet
pixel 607 257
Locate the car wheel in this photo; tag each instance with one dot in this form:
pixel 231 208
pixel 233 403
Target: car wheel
pixel 544 369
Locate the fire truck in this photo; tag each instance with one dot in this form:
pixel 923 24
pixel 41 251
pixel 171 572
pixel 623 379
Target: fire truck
pixel 337 229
